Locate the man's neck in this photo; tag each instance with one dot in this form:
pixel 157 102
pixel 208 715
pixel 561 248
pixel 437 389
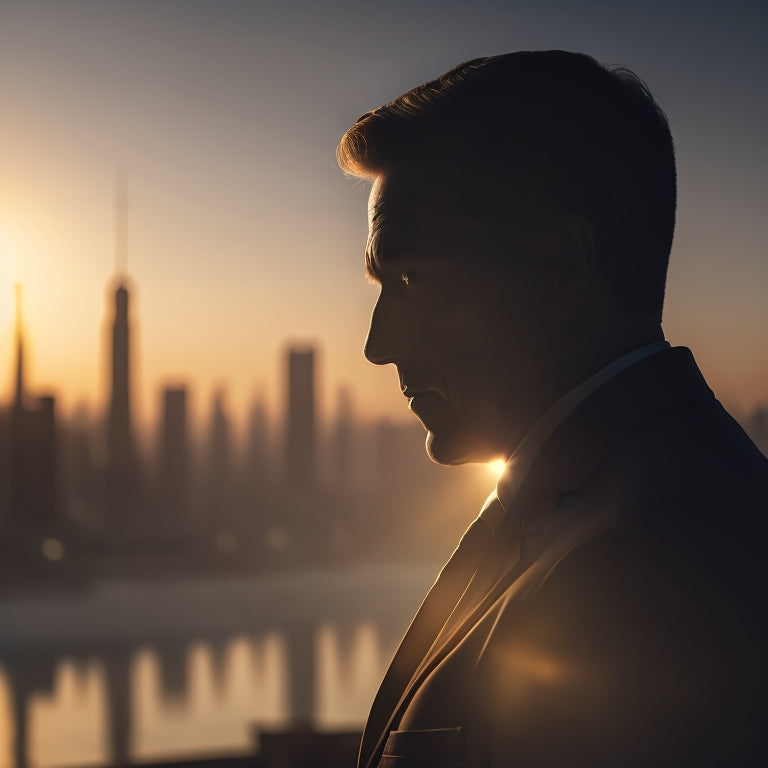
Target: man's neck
pixel 583 360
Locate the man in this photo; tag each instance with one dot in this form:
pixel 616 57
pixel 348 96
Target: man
pixel 607 606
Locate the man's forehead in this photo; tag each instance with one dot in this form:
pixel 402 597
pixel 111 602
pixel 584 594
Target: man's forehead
pixel 405 218
pixel 413 211
pixel 407 197
pixel 419 220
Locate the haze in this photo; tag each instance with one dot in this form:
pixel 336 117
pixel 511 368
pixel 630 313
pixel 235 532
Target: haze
pixel 244 236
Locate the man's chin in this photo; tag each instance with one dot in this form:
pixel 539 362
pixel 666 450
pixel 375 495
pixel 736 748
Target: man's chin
pixel 450 451
pixel 450 439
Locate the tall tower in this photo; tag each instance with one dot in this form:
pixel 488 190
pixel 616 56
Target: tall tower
pixel 18 465
pixel 123 468
pixel 120 434
pixel 300 447
pixel 218 489
pixel 32 462
pixel 257 446
pixel 18 402
pixel 174 463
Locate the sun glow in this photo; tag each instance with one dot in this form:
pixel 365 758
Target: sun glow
pixel 497 466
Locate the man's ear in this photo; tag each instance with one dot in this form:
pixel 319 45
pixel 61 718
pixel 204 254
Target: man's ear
pixel 575 260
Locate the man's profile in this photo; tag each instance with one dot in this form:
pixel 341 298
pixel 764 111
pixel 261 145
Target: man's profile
pixel 606 607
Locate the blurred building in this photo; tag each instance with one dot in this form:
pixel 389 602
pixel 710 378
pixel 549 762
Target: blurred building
pixel 173 464
pixel 82 480
pixel 4 469
pixel 389 452
pixel 343 469
pixel 218 501
pixel 300 429
pixel 257 450
pixel 32 477
pixel 123 471
pixel 256 485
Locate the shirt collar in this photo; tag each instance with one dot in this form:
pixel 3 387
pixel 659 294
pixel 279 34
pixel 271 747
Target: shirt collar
pixel 525 454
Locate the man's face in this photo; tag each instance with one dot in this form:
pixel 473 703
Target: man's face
pixel 463 332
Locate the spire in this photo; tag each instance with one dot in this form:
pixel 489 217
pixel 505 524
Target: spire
pixel 19 399
pixel 121 224
pixel 124 475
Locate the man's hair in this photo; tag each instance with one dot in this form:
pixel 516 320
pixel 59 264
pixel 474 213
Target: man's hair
pixel 557 125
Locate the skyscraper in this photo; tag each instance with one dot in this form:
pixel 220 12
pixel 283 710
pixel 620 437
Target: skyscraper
pixel 218 486
pixel 343 441
pixel 18 400
pixel 5 470
pixel 174 463
pixel 300 438
pixel 123 483
pixel 120 433
pixel 257 449
pixel 32 450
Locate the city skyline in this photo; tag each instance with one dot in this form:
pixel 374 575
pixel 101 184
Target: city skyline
pixel 114 412
pixel 244 237
pixel 150 397
pixel 181 482
pixel 66 484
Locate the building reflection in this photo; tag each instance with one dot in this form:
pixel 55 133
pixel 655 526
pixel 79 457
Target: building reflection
pixel 151 703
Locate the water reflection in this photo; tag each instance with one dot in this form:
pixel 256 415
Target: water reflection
pixel 220 692
pixel 349 668
pixel 68 725
pixel 185 695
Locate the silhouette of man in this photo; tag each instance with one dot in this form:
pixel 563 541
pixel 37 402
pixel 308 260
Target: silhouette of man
pixel 606 608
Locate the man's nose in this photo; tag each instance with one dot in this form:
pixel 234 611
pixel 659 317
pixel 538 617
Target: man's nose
pixel 387 339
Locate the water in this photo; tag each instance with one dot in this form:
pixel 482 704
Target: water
pixel 146 671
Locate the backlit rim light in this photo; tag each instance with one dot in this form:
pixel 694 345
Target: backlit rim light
pixel 497 467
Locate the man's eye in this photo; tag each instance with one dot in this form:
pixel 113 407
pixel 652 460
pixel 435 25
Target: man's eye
pixel 405 278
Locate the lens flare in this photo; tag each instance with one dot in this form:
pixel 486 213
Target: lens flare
pixel 497 466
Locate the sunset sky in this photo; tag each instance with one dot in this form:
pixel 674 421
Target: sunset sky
pixel 243 235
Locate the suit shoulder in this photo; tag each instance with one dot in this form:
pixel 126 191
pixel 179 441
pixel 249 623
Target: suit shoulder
pixel 650 561
pixel 692 466
pixel 633 652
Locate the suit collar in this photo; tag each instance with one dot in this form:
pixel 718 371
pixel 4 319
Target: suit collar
pixel 609 415
pixel 585 438
pixel 527 451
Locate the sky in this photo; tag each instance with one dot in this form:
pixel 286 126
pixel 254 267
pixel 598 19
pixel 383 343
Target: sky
pixel 243 236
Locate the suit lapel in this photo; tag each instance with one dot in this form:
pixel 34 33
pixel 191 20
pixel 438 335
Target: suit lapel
pixel 421 634
pixel 388 707
pixel 445 641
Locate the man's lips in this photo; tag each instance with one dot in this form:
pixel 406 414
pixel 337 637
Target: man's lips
pixel 427 405
pixel 411 391
pixel 407 389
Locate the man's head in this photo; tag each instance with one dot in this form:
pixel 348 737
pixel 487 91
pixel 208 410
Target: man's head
pixel 522 206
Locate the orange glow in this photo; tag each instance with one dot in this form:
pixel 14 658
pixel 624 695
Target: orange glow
pixel 242 234
pixel 497 467
pixel 535 666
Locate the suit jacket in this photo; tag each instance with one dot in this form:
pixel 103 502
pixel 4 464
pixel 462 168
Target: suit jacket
pixel 620 619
